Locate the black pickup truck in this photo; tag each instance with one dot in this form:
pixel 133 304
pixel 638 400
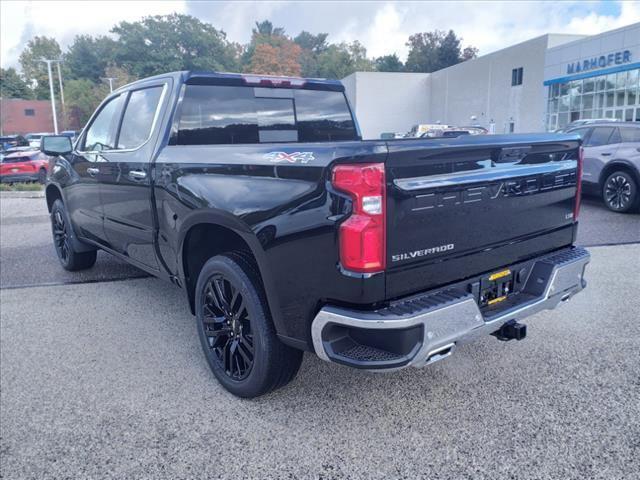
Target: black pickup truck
pixel 288 232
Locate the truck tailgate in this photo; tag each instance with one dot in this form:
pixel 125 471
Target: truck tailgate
pixel 464 206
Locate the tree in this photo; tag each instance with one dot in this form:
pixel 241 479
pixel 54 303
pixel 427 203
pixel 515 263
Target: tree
pixel 83 97
pixel 449 52
pixel 313 43
pixel 12 85
pixel 312 46
pixel 388 63
pixel 265 28
pixel 160 44
pixel 33 69
pixel 276 60
pixel 340 60
pixel 263 33
pixel 88 57
pixel 469 53
pixel 423 51
pixel 431 51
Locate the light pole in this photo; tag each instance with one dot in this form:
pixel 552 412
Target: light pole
pixel 53 99
pixel 110 80
pixel 64 112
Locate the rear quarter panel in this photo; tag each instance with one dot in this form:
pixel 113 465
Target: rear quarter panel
pixel 282 206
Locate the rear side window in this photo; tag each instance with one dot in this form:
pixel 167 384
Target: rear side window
pixel 138 117
pixel 630 134
pixel 600 136
pixel 214 115
pixel 101 132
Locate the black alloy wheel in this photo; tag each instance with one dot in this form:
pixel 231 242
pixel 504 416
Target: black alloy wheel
pixel 620 192
pixel 227 327
pixel 61 235
pixel 65 243
pixel 236 331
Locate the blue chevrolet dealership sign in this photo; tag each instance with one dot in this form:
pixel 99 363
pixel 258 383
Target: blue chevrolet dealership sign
pixel 617 58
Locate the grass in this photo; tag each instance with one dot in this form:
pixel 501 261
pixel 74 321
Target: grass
pixel 20 187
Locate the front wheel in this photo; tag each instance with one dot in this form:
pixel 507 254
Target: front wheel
pixel 620 192
pixel 70 259
pixel 236 331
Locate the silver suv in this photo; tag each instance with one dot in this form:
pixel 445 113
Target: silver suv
pixel 612 163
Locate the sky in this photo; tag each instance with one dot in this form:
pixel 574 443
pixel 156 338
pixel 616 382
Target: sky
pixel 383 27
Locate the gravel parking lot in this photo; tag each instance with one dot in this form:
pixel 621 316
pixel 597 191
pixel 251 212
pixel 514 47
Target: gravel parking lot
pixel 101 376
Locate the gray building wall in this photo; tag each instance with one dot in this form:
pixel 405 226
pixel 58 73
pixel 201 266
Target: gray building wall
pixel 481 88
pixel 479 91
pixel 387 102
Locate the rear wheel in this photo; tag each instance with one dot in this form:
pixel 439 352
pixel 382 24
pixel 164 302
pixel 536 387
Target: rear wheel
pixel 70 259
pixel 236 331
pixel 620 192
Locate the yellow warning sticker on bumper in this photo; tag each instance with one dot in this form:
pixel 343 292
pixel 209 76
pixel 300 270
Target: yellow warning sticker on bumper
pixel 497 275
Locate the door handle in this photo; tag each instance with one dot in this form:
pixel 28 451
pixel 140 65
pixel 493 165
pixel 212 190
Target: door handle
pixel 93 171
pixel 606 154
pixel 137 174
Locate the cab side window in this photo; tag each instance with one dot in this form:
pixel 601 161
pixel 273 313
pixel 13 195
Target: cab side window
pixel 102 131
pixel 138 117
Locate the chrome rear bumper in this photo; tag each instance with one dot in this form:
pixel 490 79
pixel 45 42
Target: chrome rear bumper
pixel 424 329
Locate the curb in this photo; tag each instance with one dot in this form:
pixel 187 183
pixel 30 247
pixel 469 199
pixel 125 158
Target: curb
pixel 28 194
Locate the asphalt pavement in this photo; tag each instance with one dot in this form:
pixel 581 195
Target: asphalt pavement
pixel 105 379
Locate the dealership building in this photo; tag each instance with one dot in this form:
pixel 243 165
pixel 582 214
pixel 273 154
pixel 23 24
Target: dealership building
pixel 538 85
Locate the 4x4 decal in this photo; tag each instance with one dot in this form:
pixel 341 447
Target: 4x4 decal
pixel 295 157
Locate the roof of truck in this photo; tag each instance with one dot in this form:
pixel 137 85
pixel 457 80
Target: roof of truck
pixel 227 78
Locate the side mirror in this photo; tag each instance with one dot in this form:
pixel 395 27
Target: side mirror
pixel 55 145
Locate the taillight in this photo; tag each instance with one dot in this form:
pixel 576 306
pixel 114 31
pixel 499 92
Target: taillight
pixel 362 235
pixel 576 205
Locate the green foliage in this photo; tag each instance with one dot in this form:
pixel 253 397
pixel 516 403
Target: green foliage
pixel 34 70
pixel 167 43
pixel 339 60
pixel 159 44
pixel 88 57
pixel 431 51
pixel 314 43
pixel 388 63
pixel 13 86
pixel 83 97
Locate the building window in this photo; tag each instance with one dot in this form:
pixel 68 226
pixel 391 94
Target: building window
pixel 512 127
pixel 29 112
pixel 616 95
pixel 516 76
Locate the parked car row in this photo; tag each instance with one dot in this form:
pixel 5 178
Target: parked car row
pixel 21 159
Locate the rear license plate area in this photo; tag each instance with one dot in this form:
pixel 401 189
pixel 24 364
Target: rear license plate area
pixel 495 288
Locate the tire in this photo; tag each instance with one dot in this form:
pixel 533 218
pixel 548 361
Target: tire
pixel 236 332
pixel 42 176
pixel 70 259
pixel 620 192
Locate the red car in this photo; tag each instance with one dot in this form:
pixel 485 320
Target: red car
pixel 24 166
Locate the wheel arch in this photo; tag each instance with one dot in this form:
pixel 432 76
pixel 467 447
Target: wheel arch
pixel 206 234
pixel 52 193
pixel 615 165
